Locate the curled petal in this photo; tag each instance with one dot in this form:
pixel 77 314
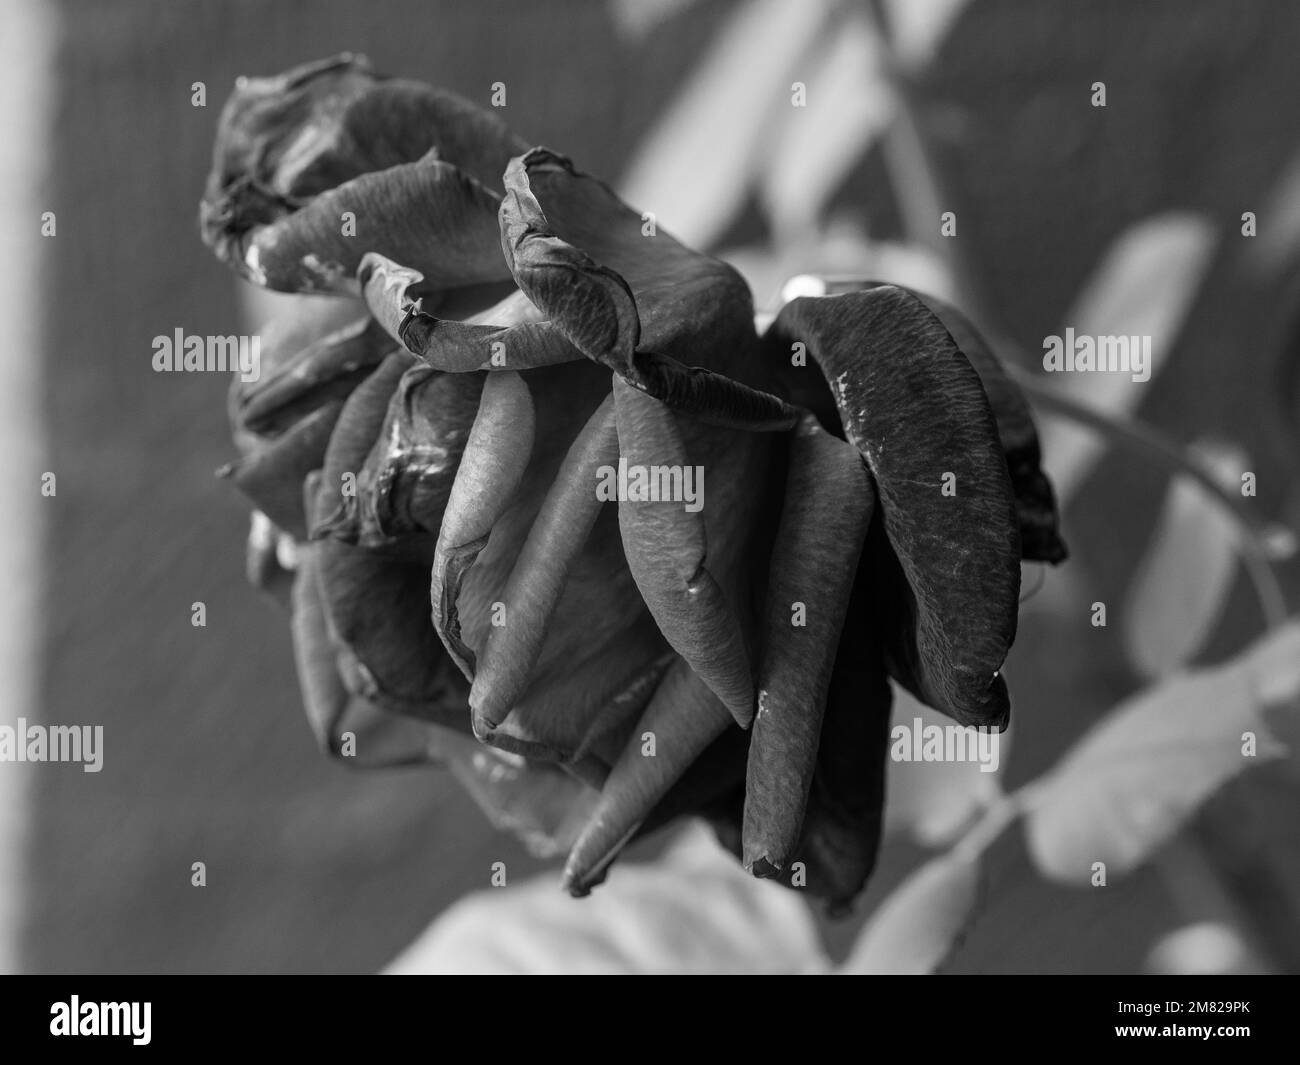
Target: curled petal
pixel 283 421
pixel 427 213
pixel 404 485
pixel 324 370
pixel 563 639
pixel 359 425
pixel 272 476
pixel 683 718
pixel 843 819
pixel 567 235
pixel 710 397
pixel 911 403
pixel 578 711
pixel 375 600
pixel 591 304
pixel 460 346
pixel 673 323
pixel 378 738
pixel 829 502
pixel 1040 540
pixel 376 605
pixel 540 803
pixel 496 456
pixel 540 574
pixel 283 140
pixel 667 551
pixel 299 323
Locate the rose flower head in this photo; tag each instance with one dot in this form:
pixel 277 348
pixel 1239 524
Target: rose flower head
pixel 565 522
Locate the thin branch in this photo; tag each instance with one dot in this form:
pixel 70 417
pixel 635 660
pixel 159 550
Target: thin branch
pixel 1253 535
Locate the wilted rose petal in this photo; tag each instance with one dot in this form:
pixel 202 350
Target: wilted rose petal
pixel 271 477
pixel 916 410
pixel 404 484
pixel 281 141
pixel 326 369
pixel 427 213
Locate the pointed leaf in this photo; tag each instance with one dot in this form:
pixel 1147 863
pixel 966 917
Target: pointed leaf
pixel 1129 784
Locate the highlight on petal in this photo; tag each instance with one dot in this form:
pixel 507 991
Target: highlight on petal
pixel 264 567
pixel 375 600
pixel 333 508
pixel 405 482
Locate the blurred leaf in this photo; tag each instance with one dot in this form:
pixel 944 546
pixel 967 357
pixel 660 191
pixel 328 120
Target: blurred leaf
pixel 915 930
pixel 1278 224
pixel 1143 286
pixel 692 911
pixel 933 802
pixel 850 102
pixel 636 19
pixel 1134 779
pixel 1204 949
pixel 1184 578
pixel 918 27
pixel 695 168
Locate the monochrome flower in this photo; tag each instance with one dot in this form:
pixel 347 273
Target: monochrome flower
pixel 483 332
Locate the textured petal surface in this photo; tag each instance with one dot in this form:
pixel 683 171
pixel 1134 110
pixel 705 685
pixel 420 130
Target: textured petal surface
pixel 911 403
pixel 283 140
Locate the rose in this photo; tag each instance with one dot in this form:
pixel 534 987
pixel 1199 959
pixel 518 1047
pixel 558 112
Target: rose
pixel 436 460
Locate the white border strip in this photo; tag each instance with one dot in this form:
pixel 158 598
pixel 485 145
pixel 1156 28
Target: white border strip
pixel 27 55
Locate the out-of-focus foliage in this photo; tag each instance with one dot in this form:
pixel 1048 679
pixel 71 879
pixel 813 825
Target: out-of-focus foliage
pixel 694 910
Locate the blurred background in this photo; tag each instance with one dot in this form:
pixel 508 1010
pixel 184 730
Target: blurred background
pixel 1123 218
